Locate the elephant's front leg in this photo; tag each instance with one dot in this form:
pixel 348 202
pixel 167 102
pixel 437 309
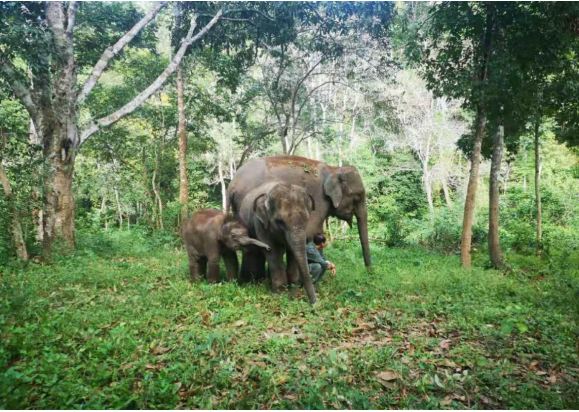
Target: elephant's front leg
pixel 231 264
pixel 202 261
pixel 252 266
pixel 278 273
pixel 213 269
pixel 193 260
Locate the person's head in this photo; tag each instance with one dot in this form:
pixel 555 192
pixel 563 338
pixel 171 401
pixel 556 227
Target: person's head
pixel 319 240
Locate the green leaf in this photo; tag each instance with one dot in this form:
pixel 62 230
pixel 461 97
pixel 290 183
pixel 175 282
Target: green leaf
pixel 507 326
pixel 522 327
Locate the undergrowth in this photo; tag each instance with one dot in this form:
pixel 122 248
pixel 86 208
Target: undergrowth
pixel 118 325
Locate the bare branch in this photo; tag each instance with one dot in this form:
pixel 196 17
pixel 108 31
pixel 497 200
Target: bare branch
pixel 297 116
pixel 301 81
pixel 156 85
pixel 71 17
pixel 112 51
pixel 22 92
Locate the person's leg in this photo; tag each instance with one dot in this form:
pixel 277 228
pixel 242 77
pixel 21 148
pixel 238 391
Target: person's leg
pixel 316 272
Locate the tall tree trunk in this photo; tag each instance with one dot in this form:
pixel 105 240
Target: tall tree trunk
pixel 506 178
pixel 428 188
pixel 353 123
pixel 181 131
pixel 341 133
pixel 150 218
pixel 183 184
pixel 160 224
pixel 119 209
pixel 222 181
pixel 17 235
pixel 446 191
pixel 37 176
pixel 538 192
pixel 471 189
pixel 284 131
pixel 494 244
pixel 469 204
pixel 59 207
pixel 329 228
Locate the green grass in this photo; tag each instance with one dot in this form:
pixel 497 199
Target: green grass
pixel 118 325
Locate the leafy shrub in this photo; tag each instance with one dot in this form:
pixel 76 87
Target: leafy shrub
pixel 520 236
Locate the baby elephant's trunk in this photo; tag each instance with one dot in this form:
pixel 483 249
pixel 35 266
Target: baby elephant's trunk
pixel 249 241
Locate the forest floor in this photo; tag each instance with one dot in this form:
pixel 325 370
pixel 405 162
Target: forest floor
pixel 118 325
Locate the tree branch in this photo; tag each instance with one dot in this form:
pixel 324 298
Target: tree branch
pixel 22 92
pixel 112 51
pixel 156 85
pixel 71 17
pixel 300 82
pixel 296 118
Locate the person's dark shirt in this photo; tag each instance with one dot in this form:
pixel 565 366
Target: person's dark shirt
pixel 316 256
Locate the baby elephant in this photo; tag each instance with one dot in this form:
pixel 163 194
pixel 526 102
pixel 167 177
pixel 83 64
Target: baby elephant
pixel 209 234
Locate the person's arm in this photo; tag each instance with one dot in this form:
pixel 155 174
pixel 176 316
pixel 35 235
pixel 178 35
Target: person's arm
pixel 314 256
pixel 331 266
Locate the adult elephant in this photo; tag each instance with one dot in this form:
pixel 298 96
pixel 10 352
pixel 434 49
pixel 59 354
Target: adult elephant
pixel 276 213
pixel 337 191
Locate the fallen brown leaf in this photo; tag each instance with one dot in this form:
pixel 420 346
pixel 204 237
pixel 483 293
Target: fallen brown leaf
pixel 150 366
pixel 159 350
pixel 445 343
pixel 186 394
pixel 387 375
pixel 127 366
pixel 446 401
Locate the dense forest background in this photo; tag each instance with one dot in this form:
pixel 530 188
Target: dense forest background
pixel 375 86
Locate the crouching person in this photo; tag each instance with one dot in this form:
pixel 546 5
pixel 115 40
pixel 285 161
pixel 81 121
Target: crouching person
pixel 317 261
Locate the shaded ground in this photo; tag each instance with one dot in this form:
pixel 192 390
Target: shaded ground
pixel 119 326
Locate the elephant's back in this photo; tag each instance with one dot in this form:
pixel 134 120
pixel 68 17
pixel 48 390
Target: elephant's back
pixel 249 176
pixel 201 222
pixel 300 171
pixel 289 166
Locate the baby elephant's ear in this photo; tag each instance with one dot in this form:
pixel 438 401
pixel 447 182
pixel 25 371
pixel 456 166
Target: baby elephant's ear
pixel 260 210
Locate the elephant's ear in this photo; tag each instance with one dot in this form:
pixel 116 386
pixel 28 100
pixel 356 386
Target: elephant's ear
pixel 333 188
pixel 260 210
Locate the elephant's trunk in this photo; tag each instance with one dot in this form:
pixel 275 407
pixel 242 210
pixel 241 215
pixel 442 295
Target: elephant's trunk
pixel 249 241
pixel 297 243
pixel 362 221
